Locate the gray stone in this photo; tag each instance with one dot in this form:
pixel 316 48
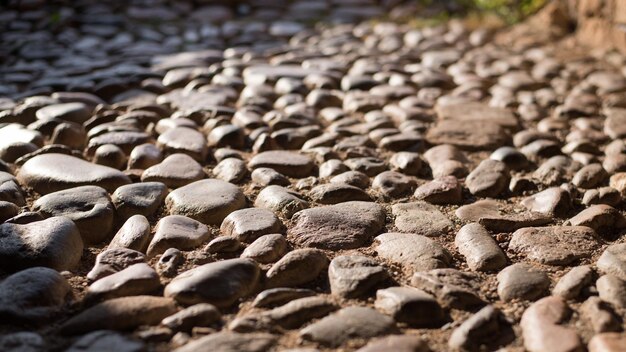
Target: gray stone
pixel 280 200
pixel 54 243
pixel 137 279
pixel 341 226
pixel 249 224
pixel 412 251
pixel 201 314
pixel 33 295
pixel 142 198
pixel 177 231
pixel 89 207
pixel 103 340
pixel 134 234
pixel 297 267
pixel 613 260
pixel 352 276
pixel 287 163
pixel 411 306
pixel 220 283
pixel 480 250
pixel 114 260
pixel 348 323
pixel 522 281
pixel 176 170
pixel 48 173
pixel 555 245
pixel 267 248
pixel 421 218
pixel 124 313
pixel 208 201
pixel 227 341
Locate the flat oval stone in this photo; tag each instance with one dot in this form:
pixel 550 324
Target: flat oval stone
pixel 184 140
pixel 34 294
pixel 287 163
pixel 177 231
pixel 522 281
pixel 54 243
pixel 415 252
pixel 208 201
pixel 176 170
pixel 267 248
pixel 541 330
pixel 348 323
pixel 201 314
pixel 280 200
pixel 555 245
pixel 220 283
pixel 340 226
pixel 49 173
pixel 137 279
pixel 74 112
pixel 103 340
pixel 143 198
pixel 297 267
pixel 231 342
pixel 421 218
pixel 88 206
pixel 249 224
pixel 110 261
pixel 124 313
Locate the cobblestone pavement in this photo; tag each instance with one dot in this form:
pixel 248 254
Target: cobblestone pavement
pixel 193 176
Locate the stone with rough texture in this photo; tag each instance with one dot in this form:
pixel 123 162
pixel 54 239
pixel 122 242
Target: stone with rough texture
pixel 397 343
pixel 415 252
pixel 421 218
pixel 489 179
pixel 555 245
pixel 341 226
pixel 353 276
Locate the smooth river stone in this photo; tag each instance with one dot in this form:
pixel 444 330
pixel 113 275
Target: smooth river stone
pixel 208 201
pixel 54 243
pixel 413 251
pixel 287 163
pixel 49 173
pixel 220 283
